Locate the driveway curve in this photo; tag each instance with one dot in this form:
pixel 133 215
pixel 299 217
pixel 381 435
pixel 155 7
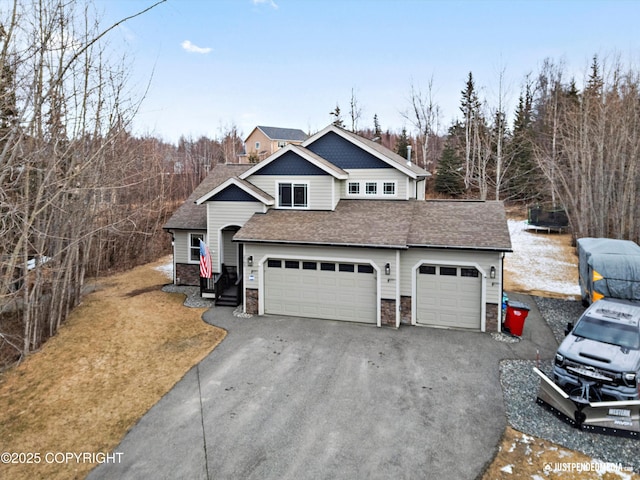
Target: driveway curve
pixel 290 398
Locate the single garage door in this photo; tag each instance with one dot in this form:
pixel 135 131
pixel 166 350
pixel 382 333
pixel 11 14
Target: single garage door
pixel 449 296
pixel 315 289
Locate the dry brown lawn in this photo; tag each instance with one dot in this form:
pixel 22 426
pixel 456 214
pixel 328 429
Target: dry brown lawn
pixel 521 456
pixel 119 352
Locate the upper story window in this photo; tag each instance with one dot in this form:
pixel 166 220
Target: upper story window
pixel 293 195
pixel 379 188
pixel 257 145
pixel 282 144
pixel 194 246
pixel 371 188
pixel 389 188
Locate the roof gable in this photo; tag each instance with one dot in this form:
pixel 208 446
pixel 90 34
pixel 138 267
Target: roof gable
pixel 236 190
pixel 190 216
pixel 348 150
pixel 291 163
pixel 343 153
pixel 232 193
pixel 300 156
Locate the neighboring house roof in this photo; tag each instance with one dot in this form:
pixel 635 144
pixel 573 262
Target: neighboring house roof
pixel 304 153
pixel 382 153
pixel 386 223
pixel 277 133
pixel 190 216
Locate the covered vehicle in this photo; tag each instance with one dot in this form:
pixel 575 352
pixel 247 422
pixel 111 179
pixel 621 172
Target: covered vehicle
pixel 608 268
pixel 600 357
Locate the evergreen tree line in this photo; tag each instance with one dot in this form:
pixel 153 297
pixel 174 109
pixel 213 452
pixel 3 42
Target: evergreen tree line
pixel 569 147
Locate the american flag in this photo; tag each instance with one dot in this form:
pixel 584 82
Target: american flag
pixel 205 260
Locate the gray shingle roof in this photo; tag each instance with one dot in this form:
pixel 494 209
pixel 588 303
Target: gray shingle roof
pixel 386 223
pixel 277 133
pixel 190 216
pixel 459 224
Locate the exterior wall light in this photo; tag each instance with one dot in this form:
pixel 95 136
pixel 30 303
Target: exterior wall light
pixel 387 269
pixel 492 272
pixel 250 260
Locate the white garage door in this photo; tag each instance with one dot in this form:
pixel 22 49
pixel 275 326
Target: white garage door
pixel 331 290
pixel 449 296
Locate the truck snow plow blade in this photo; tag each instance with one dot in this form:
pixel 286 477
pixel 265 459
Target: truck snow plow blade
pixel 610 418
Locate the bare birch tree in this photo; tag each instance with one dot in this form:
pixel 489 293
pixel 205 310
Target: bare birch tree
pixel 424 115
pixel 592 161
pixel 64 109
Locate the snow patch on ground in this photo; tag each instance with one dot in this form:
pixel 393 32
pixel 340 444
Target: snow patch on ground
pixel 166 269
pixel 507 469
pixel 540 262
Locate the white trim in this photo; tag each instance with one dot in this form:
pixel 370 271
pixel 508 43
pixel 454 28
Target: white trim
pixel 483 288
pixel 369 261
pixel 398 296
pixel 362 189
pixel 281 181
pixel 204 239
pixel 395 188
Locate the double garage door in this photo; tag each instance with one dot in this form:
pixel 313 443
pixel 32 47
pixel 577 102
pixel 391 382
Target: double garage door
pixel 321 289
pixel 449 296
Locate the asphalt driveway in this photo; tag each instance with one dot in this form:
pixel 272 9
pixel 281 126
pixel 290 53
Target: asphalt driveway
pixel 289 398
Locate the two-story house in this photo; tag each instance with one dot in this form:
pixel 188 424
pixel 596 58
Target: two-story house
pixel 264 141
pixel 338 228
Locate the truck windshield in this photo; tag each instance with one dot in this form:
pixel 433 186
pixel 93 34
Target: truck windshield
pixel 625 336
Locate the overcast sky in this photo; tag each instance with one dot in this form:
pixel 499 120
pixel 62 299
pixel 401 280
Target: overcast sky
pixel 287 63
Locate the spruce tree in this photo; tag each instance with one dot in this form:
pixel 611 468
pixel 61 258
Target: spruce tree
pixel 377 131
pixel 449 173
pixel 337 117
pixel 402 143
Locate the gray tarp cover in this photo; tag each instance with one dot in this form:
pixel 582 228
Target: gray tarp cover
pixel 618 261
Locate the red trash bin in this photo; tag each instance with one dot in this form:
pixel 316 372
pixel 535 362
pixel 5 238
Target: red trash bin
pixel 516 315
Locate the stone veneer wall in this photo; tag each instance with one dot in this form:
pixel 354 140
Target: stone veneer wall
pixel 188 274
pixel 405 310
pixel 252 301
pixel 491 322
pixel 388 312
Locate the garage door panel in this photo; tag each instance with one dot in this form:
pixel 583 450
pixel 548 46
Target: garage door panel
pixel 447 298
pixel 321 293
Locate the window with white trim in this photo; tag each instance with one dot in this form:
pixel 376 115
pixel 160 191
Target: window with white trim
pixel 389 188
pixel 194 246
pixel 371 188
pixel 354 188
pixel 257 145
pixel 293 195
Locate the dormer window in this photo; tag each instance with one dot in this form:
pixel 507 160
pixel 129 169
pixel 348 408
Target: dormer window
pixel 293 195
